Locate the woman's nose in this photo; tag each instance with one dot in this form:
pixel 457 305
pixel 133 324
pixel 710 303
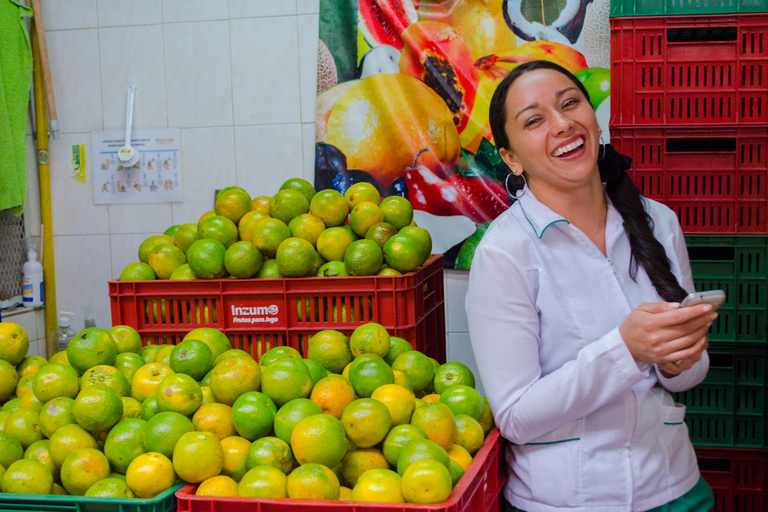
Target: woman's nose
pixel 561 122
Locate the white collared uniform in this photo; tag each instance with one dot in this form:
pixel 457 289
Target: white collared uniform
pixel 592 428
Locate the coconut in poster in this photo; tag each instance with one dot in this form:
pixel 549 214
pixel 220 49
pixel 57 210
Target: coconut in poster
pixel 404 88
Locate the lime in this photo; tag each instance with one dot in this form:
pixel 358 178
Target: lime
pixel 404 253
pixel 360 192
pixel 232 203
pixel 253 414
pixel 150 243
pixel 397 211
pixel 186 236
pixel 333 269
pixel 182 272
pixel 363 216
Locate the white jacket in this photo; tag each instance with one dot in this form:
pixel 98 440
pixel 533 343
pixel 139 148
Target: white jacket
pixel 592 428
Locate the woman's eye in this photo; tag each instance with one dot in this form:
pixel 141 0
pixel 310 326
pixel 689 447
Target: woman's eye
pixel 571 102
pixel 532 121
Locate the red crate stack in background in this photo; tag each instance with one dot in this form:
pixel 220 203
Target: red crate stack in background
pixel 691 109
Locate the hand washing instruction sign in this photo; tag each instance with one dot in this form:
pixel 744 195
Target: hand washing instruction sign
pixel 155 177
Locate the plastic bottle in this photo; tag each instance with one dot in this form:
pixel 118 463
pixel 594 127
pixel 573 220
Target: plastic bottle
pixel 88 319
pixel 63 334
pixel 33 281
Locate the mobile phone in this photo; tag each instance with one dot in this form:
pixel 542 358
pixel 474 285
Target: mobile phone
pixel 713 297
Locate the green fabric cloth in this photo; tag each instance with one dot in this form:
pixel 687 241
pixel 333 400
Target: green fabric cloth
pixel 698 499
pixel 15 78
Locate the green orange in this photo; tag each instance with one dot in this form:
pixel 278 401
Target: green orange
pixel 397 438
pixel 462 399
pixel 452 373
pixel 206 259
pixel 56 413
pixel 421 449
pixel 150 243
pixel 234 376
pixel 253 414
pixel 24 425
pixel 363 258
pixel 370 374
pixel 10 449
pixel 198 456
pixel 379 485
pixel 263 482
pixel 404 253
pixel 164 259
pixel 186 235
pixel 191 357
pixel 106 376
pixel 235 450
pixel 422 235
pixel 248 222
pixel 358 461
pixel 287 204
pixel 124 443
pixel 91 347
pixel 55 380
pixel 295 257
pixel 97 408
pixel 426 481
pixel 126 338
pixel 397 211
pixel 30 365
pixel 147 378
pixel 243 260
pixel 268 234
pixel 232 203
pixel 67 440
pixel 163 430
pixel 149 475
pixel 331 349
pixel 179 393
pixel 330 206
pixel 269 270
pixel 215 339
pixel 366 422
pixel 320 439
pixel 82 469
pixel 214 418
pixel 363 216
pixel 313 482
pixel 333 243
pixel 307 227
pixel 110 488
pixel 369 338
pixel 183 272
pixel 261 204
pixel 418 368
pixel 437 421
pixel 219 228
pixel 270 451
pixel 299 185
pixel 27 477
pixel 290 414
pixel 137 272
pixel 396 347
pixel 360 192
pixel 380 233
pixel 277 353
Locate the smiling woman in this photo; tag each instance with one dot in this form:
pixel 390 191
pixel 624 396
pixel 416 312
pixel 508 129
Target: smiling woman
pixel 579 282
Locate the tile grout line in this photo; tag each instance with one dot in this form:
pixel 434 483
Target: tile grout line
pixel 301 96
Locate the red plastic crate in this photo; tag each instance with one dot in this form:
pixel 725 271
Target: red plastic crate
pixel 689 70
pixel 714 178
pixel 739 478
pixel 479 490
pixel 259 314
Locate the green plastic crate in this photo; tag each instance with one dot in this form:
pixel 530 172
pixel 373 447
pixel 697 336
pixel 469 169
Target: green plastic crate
pixel 163 502
pixel 728 407
pixel 631 8
pixel 737 265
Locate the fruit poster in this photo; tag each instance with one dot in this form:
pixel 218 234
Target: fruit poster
pixel 153 176
pixel 403 93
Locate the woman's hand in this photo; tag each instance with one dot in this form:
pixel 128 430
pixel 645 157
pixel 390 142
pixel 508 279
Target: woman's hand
pixel 663 333
pixel 670 370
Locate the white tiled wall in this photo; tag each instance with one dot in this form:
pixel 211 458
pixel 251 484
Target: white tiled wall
pixel 237 76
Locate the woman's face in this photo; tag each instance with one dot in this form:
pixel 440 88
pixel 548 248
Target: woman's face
pixel 553 132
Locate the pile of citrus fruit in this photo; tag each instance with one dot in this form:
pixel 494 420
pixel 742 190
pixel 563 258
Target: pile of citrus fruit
pixel 358 418
pixel 295 233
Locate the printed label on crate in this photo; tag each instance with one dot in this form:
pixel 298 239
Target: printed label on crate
pixel 248 313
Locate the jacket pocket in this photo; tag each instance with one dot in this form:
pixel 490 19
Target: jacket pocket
pixel 549 466
pixel 673 414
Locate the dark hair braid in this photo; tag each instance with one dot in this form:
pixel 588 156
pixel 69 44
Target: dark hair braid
pixel 646 250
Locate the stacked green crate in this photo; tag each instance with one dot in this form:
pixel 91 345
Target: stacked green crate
pixel 626 8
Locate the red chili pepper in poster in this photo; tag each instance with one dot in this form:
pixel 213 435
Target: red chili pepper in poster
pixel 430 193
pixel 483 199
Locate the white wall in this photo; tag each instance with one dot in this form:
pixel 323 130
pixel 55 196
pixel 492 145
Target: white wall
pixel 238 77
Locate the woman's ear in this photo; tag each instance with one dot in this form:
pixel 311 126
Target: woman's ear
pixel 511 161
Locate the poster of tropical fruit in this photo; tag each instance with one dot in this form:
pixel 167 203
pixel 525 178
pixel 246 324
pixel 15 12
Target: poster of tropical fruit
pixel 404 88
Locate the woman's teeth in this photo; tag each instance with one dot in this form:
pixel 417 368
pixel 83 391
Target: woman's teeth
pixel 570 147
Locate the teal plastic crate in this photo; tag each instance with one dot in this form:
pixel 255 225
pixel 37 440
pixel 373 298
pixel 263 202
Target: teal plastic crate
pixel 627 8
pixel 163 502
pixel 737 265
pixel 728 408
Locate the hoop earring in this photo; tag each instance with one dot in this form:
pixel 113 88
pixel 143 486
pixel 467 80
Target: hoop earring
pixel 506 185
pixel 602 144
